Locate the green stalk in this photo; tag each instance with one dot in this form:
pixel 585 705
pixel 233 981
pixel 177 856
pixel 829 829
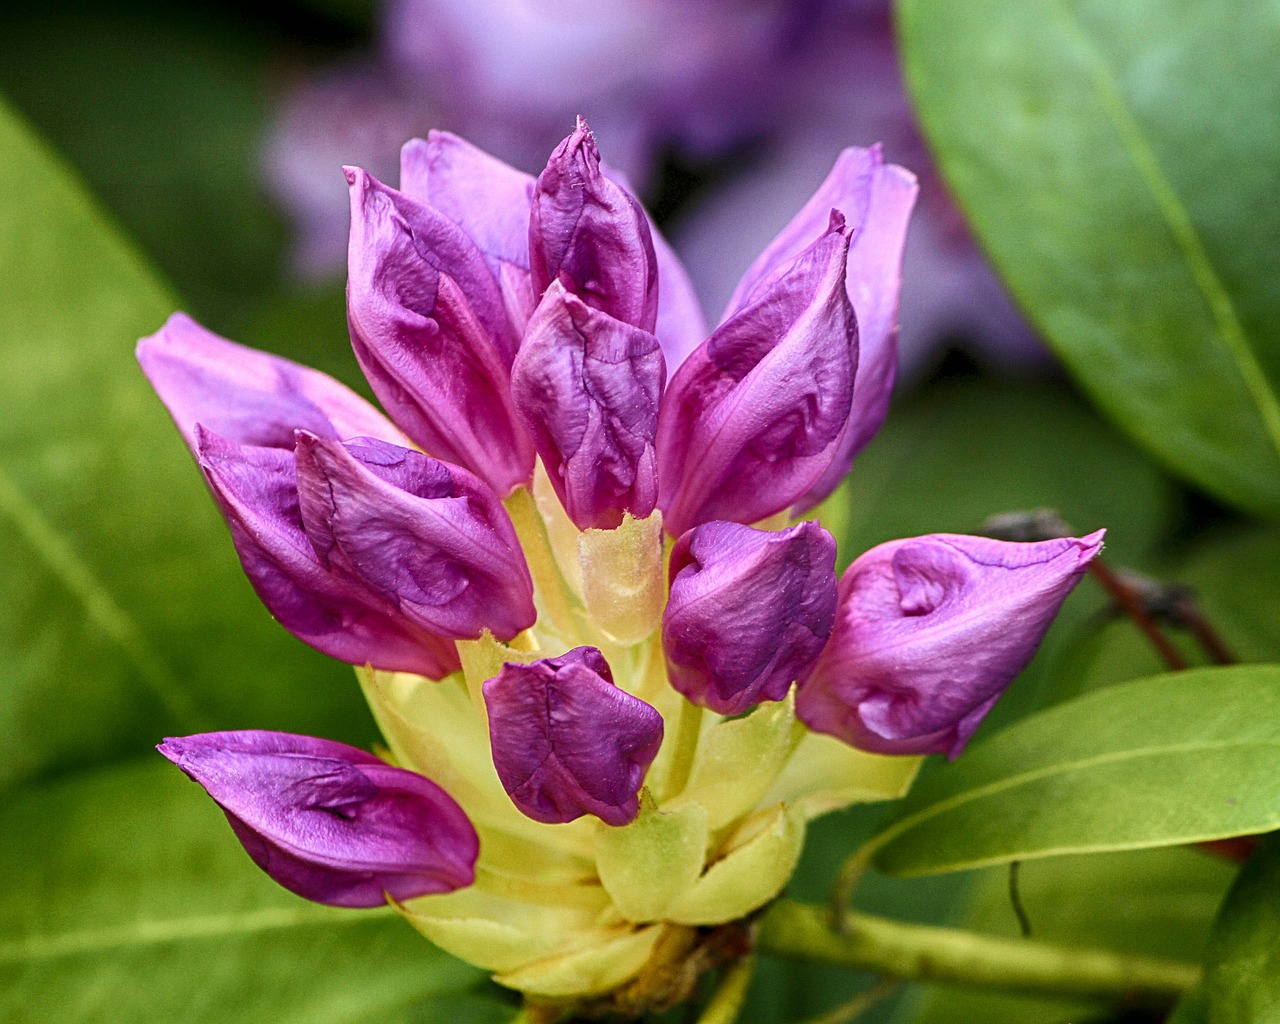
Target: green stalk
pixel 915 952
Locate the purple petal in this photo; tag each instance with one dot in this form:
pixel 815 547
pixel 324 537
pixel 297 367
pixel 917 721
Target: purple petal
pixel 754 417
pixel 257 491
pixel 429 539
pixel 749 612
pixel 588 387
pixel 488 199
pixel 590 232
pixel 431 332
pixel 248 396
pixel 568 742
pixel 930 632
pixel 329 822
pixel 876 201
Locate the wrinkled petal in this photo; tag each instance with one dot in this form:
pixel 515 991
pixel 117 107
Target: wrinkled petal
pixel 876 200
pixel 567 741
pixel 487 198
pixel 590 232
pixel 588 387
pixel 329 822
pixel 428 538
pixel 749 612
pixel 248 396
pixel 930 632
pixel 754 417
pixel 431 332
pixel 256 489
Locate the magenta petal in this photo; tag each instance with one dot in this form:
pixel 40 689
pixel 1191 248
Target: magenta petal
pixel 930 632
pixel 755 416
pixel 589 231
pixel 329 822
pixel 248 396
pixel 568 742
pixel 588 387
pixel 431 332
pixel 428 538
pixel 876 200
pixel 257 492
pixel 749 611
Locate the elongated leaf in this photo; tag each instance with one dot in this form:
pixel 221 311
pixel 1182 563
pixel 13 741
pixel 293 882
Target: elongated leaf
pixel 1118 162
pixel 1161 761
pixel 128 899
pixel 1242 969
pixel 123 613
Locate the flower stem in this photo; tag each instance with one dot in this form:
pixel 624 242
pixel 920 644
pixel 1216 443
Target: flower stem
pixel 685 749
pixel 951 956
pixel 550 587
pixel 729 998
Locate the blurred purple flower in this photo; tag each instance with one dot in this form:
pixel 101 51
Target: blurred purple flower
pixel 330 822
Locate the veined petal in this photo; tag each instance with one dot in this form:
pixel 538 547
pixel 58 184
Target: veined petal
pixel 929 633
pixel 876 200
pixel 330 822
pixel 592 234
pixel 567 742
pixel 428 538
pixel 256 489
pixel 431 332
pixel 755 416
pixel 247 396
pixel 749 612
pixel 588 387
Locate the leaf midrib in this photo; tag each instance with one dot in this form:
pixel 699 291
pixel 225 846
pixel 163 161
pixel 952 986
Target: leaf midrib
pixel 1178 221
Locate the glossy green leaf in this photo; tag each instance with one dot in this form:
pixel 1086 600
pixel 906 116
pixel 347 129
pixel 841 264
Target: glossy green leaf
pixel 1146 902
pixel 1117 161
pixel 128 899
pixel 1156 762
pixel 1242 969
pixel 123 612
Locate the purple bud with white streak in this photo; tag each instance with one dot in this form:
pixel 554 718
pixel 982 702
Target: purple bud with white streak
pixel 430 329
pixel 588 387
pixel 428 538
pixel 591 233
pixel 330 822
pixel 567 742
pixel 755 415
pixel 930 632
pixel 256 488
pixel 749 611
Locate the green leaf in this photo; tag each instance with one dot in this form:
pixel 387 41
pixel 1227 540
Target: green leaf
pixel 123 612
pixel 1117 161
pixel 1156 762
pixel 128 899
pixel 1147 902
pixel 1242 968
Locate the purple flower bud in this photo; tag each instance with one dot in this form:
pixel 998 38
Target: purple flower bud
pixel 430 329
pixel 256 489
pixel 567 742
pixel 588 388
pixel 247 396
pixel 930 632
pixel 427 538
pixel 755 415
pixel 330 822
pixel 488 199
pixel 876 201
pixel 591 233
pixel 749 611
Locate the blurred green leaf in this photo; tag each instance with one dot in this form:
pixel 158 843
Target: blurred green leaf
pixel 1193 1008
pixel 1167 760
pixel 128 899
pixel 123 612
pixel 1118 162
pixel 1148 902
pixel 1242 970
